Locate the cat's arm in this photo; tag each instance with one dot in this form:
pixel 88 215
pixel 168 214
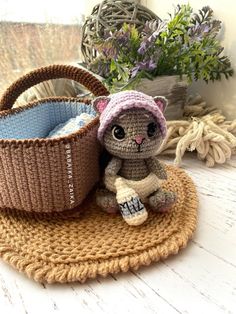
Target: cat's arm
pixel 156 167
pixel 113 166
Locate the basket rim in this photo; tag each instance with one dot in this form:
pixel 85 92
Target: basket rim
pixel 48 141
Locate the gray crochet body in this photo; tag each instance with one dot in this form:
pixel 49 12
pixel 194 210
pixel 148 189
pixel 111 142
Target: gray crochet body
pixel 133 175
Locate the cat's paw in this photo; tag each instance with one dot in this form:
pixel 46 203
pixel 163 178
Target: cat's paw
pixel 162 201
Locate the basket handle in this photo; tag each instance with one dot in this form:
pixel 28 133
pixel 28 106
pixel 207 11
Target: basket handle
pixel 47 73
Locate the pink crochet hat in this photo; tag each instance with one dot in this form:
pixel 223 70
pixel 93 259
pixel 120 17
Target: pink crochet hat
pixel 109 107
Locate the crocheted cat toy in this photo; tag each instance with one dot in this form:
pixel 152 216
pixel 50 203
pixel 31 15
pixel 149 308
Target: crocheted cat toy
pixel 132 128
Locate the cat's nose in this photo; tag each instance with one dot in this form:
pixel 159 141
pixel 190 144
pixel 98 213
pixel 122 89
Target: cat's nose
pixel 139 139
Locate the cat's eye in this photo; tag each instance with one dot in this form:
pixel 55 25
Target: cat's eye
pixel 151 129
pixel 118 132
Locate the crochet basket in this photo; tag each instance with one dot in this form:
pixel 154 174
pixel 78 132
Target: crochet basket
pixel 42 174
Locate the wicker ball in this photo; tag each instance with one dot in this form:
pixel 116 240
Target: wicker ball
pixel 109 15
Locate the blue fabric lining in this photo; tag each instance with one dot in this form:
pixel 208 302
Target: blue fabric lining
pixel 38 121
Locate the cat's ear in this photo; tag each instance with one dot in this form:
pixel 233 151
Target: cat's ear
pixel 161 102
pixel 100 103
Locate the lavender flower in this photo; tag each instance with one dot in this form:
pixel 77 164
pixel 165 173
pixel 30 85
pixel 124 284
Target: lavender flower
pixel 100 66
pixel 198 31
pixel 123 37
pixel 148 65
pixel 110 52
pixel 145 44
pixel 148 42
pixel 163 48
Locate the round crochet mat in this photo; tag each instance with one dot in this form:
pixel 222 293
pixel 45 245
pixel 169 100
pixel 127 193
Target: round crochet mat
pixel 84 243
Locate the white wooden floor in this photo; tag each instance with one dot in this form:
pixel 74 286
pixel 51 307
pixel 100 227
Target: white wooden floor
pixel 200 279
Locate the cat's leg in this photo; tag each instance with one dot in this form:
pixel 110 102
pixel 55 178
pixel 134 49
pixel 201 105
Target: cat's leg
pixel 107 200
pixel 162 201
pixel 131 207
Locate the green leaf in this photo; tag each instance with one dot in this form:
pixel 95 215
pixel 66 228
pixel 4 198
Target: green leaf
pixel 182 46
pixel 113 65
pixel 134 33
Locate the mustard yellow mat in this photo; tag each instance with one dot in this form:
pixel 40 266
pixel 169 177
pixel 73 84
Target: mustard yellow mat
pixel 84 243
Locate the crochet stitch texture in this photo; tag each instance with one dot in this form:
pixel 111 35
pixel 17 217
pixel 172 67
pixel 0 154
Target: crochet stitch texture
pixel 132 128
pixel 80 244
pixel 127 100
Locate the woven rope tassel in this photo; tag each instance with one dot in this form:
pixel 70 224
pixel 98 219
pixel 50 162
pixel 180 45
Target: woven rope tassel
pixel 204 130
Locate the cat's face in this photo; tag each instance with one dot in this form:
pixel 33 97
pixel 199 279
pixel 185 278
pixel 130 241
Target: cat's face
pixel 134 134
